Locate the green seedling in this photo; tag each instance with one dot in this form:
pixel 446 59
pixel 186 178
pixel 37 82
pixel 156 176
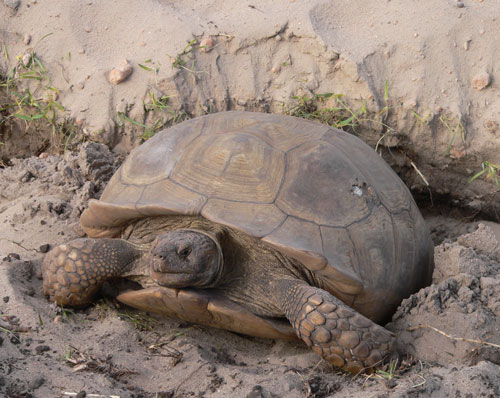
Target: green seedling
pixel 180 60
pixel 489 169
pixel 390 374
pixel 385 109
pixel 40 320
pixel 148 131
pixel 458 128
pixel 157 103
pixel 422 119
pixel 68 354
pixel 67 313
pixel 148 68
pixel 165 116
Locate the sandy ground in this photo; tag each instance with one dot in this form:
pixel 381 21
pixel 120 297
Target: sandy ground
pixel 440 62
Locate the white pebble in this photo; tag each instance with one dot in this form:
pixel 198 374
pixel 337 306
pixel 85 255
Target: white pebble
pixel 26 59
pixel 121 73
pixel 206 44
pixel 14 4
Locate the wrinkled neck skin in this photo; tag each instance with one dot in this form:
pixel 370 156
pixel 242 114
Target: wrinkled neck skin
pixel 253 274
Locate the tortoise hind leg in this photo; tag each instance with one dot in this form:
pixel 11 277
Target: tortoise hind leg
pixel 74 272
pixel 335 331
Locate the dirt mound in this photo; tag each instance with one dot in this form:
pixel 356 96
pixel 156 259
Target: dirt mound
pixel 463 304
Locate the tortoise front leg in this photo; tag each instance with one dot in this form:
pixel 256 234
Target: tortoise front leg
pixel 335 331
pixel 74 272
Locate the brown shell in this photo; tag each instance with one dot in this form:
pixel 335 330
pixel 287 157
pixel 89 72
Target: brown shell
pixel 316 193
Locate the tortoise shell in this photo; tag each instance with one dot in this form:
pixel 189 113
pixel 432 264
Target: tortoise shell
pixel 316 193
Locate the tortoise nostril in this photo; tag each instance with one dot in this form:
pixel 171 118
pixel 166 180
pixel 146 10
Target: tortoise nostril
pixel 158 254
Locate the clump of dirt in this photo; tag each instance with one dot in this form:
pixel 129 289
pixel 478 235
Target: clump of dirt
pixel 63 185
pixel 456 319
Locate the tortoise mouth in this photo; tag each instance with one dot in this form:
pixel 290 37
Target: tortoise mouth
pixel 175 279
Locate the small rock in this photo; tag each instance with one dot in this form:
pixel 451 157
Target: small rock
pixel 278 38
pixel 206 44
pixel 467 41
pixel 275 69
pixel 26 59
pixel 43 155
pixel 81 84
pixel 14 4
pixel 44 248
pixel 2 380
pixel 6 299
pixel 36 383
pixel 81 394
pixel 27 39
pixel 41 349
pixel 119 74
pixel 58 319
pixel 480 81
pixel 13 256
pixel 460 4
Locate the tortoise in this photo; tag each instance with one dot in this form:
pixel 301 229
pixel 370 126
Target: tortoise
pixel 262 224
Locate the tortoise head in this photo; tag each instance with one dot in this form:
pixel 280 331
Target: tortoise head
pixel 186 258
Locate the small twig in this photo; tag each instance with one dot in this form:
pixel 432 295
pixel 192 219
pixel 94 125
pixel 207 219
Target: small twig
pixel 10 334
pixel 419 173
pixel 453 337
pixel 170 352
pixel 419 384
pixel 20 245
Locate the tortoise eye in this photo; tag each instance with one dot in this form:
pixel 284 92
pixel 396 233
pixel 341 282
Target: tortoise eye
pixel 184 251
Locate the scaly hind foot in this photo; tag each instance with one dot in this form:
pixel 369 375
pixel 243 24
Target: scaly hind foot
pixel 335 331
